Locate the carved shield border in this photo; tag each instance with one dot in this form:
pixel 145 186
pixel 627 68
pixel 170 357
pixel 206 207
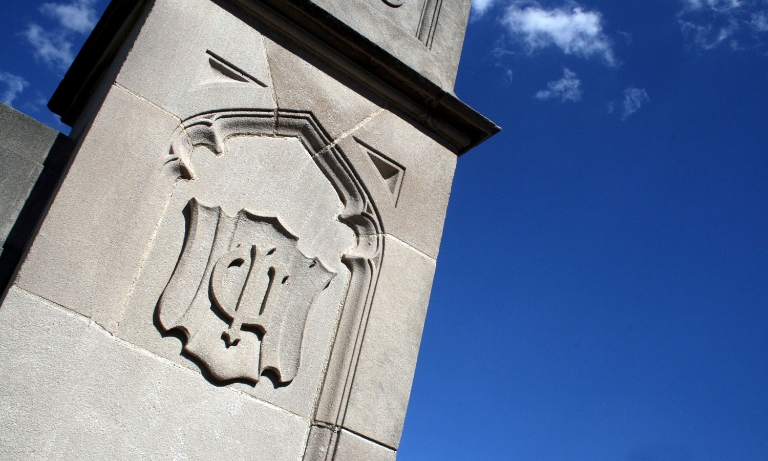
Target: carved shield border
pixel 211 130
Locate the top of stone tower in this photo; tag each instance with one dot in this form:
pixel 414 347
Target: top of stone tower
pixel 406 51
pixel 426 35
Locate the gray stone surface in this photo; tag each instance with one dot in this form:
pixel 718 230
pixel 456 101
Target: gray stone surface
pixel 387 362
pixel 302 83
pixel 25 136
pixel 271 177
pixel 24 146
pixel 18 176
pixel 353 447
pixel 434 53
pixel 209 59
pixel 415 211
pixel 72 391
pixel 90 247
pixel 325 444
pixel 32 158
pixel 392 73
pixel 280 144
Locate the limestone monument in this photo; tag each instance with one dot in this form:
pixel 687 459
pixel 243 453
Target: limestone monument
pixel 234 258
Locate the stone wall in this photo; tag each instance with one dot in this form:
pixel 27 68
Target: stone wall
pixel 32 157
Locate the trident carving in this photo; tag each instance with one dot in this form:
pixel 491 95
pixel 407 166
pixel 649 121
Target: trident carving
pixel 248 269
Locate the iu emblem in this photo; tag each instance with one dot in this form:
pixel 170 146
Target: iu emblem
pixel 241 293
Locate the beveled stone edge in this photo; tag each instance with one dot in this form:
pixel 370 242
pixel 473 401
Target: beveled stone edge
pixel 317 31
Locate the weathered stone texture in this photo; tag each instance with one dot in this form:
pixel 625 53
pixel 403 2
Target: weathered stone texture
pixel 271 177
pixel 90 247
pixel 302 83
pixel 32 158
pixel 25 136
pixel 353 447
pixel 193 56
pixel 72 391
pixel 382 383
pixel 24 146
pixel 17 177
pixel 408 32
pixel 208 108
pixel 415 212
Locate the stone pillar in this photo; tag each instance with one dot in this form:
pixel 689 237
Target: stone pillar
pixel 238 261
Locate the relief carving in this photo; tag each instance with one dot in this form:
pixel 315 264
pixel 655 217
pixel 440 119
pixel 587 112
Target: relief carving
pixel 222 70
pixel 250 270
pixel 391 172
pixel 394 3
pixel 253 321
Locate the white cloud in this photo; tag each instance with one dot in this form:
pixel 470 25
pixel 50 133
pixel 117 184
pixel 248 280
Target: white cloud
pixel 15 85
pixel 52 48
pixel 567 88
pixel 710 23
pixel 572 29
pixel 78 16
pixel 634 98
pixel 479 7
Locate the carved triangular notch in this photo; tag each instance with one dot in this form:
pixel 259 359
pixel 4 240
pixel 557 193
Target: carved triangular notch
pixel 222 71
pixel 390 171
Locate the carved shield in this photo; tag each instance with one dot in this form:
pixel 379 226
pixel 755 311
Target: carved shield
pixel 241 293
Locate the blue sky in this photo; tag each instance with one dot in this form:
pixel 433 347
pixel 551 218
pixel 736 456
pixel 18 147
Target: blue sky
pixel 602 286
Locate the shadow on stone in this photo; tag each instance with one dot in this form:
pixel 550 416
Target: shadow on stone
pixel 34 210
pixel 268 374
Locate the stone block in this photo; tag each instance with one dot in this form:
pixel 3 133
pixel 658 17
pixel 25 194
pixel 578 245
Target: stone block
pixel 193 56
pixel 426 35
pixel 382 381
pixel 25 136
pixel 268 176
pixel 303 83
pixel 325 444
pixel 72 391
pixel 17 178
pixel 32 157
pixel 352 447
pixel 408 173
pixel 91 245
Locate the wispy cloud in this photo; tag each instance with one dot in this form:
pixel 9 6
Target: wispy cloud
pixel 54 46
pixel 716 5
pixel 634 99
pixel 567 88
pixel 572 29
pixel 759 21
pixel 78 16
pixel 708 24
pixel 14 86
